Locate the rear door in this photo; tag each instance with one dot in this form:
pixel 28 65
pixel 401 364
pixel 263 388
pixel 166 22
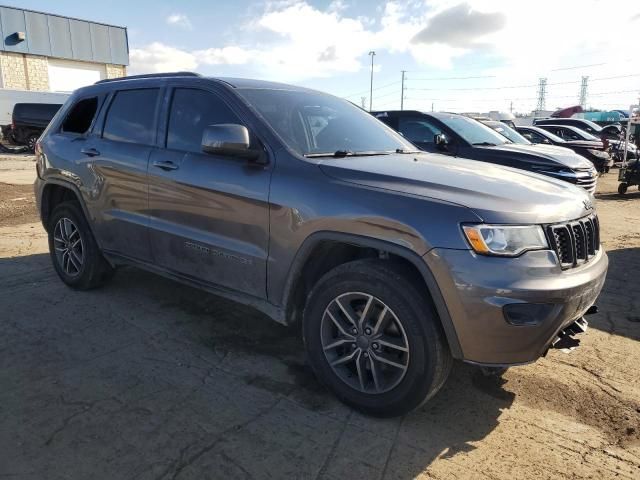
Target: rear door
pixel 209 214
pixel 119 158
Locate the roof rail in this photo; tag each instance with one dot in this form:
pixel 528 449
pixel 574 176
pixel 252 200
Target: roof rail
pixel 150 75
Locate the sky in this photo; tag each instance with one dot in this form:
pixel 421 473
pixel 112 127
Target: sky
pixel 461 56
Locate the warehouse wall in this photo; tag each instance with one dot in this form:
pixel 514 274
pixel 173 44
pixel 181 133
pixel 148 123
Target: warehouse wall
pixel 31 72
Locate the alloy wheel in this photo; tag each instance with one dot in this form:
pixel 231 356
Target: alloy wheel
pixel 69 249
pixel 364 342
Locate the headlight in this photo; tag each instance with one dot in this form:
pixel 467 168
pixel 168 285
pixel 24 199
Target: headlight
pixel 505 240
pixel 598 153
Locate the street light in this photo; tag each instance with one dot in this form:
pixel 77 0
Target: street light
pixel 373 54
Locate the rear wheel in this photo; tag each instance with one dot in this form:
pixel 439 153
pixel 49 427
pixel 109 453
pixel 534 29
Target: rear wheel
pixel 373 339
pixel 74 252
pixel 622 188
pixel 31 141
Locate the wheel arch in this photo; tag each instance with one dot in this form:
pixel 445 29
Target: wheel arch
pixel 55 192
pixel 311 262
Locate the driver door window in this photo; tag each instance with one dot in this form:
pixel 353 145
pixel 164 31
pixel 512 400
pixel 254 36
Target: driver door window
pixel 418 130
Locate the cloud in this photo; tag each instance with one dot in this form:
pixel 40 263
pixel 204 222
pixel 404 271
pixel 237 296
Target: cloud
pixel 460 26
pixel 231 55
pixel 179 20
pixel 157 57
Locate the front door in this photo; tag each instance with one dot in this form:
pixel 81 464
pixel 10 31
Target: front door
pixel 209 214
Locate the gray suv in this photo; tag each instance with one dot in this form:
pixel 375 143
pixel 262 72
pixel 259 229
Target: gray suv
pixel 393 261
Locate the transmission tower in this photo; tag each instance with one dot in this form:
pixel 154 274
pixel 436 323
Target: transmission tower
pixel 542 94
pixel 583 92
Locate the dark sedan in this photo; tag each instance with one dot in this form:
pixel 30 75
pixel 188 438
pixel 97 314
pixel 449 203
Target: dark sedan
pixel 461 136
pixel 578 140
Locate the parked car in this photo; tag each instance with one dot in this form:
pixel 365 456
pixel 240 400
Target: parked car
pixel 394 261
pixel 460 136
pixel 592 150
pixel 29 121
pixel 610 132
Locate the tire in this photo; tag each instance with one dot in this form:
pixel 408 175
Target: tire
pixel 84 268
pixel 410 321
pixel 31 141
pixel 622 188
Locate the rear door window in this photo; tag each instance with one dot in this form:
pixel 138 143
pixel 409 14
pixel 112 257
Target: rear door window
pixel 191 111
pixel 132 116
pixel 80 116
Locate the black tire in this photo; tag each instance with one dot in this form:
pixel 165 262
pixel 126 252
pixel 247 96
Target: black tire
pixel 31 141
pixel 429 360
pixel 622 188
pixel 93 269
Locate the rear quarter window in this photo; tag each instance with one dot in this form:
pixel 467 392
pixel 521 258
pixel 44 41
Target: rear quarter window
pixel 80 116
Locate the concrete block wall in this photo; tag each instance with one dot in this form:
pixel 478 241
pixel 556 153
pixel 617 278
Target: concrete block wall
pixel 116 71
pixel 24 72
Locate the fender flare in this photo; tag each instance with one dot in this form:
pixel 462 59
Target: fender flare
pixel 304 252
pixel 76 191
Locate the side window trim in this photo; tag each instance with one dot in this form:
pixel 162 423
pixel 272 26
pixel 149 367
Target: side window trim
pixel 156 114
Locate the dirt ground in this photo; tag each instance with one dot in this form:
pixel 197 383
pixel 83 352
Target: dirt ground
pixel 149 379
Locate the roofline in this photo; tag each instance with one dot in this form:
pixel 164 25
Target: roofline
pixel 63 16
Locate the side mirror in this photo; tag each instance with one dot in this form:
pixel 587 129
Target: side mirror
pixel 228 139
pixel 547 141
pixel 440 140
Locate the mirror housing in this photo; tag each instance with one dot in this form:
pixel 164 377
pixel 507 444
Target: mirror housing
pixel 440 140
pixel 229 139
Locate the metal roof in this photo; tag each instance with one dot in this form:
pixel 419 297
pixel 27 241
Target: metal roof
pixel 57 36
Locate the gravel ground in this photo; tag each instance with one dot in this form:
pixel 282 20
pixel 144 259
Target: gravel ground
pixel 149 379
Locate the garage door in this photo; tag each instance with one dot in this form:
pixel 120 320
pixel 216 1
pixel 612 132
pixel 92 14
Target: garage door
pixel 66 76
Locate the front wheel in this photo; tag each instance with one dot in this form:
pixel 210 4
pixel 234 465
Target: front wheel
pixel 374 339
pixel 31 142
pixel 74 252
pixel 622 188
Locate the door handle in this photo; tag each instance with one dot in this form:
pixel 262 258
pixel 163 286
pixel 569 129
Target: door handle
pixel 90 152
pixel 165 165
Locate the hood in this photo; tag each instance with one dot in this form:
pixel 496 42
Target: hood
pixel 546 155
pixel 496 194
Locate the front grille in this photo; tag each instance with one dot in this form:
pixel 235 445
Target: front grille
pixel 587 179
pixel 575 242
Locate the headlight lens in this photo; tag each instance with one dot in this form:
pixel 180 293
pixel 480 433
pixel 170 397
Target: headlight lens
pixel 599 153
pixel 505 240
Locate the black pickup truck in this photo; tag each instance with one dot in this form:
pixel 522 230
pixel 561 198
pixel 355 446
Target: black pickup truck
pixel 29 120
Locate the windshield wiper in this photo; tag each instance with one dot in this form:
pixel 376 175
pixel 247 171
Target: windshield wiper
pixel 400 150
pixel 345 153
pixel 485 144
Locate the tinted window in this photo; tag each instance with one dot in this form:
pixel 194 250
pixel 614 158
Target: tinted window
pixel 472 131
pixel 533 136
pixel 510 133
pixel 316 123
pixel 418 130
pixel 132 116
pixel 191 111
pixel 80 116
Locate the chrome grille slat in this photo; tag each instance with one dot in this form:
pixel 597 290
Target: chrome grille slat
pixel 575 242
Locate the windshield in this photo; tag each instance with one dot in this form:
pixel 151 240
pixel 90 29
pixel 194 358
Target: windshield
pixel 551 136
pixel 595 126
pixel 511 134
pixel 583 134
pixel 313 123
pixel 472 130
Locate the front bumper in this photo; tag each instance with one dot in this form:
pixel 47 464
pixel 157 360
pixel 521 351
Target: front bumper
pixel 476 288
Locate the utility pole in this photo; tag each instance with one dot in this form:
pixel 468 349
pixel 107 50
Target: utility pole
pixel 542 94
pixel 432 106
pixel 402 92
pixel 511 107
pixel 583 92
pixel 373 54
pixel 363 101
